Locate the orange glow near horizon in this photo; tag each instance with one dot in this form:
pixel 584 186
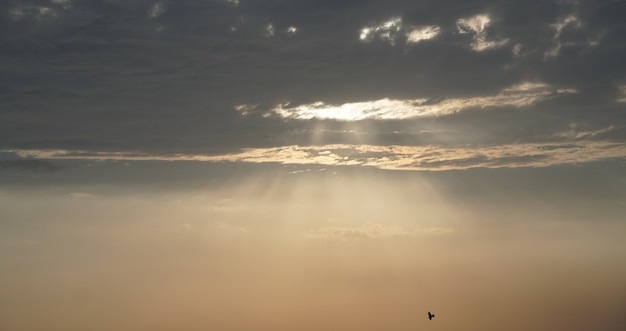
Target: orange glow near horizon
pixel 300 251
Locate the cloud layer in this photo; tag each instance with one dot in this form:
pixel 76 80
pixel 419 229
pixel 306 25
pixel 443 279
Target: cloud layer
pixel 521 95
pixel 391 157
pixel 168 77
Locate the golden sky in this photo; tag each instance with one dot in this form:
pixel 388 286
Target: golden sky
pixel 293 165
pixel 311 250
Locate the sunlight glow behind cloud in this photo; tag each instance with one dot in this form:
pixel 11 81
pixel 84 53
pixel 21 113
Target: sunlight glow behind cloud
pixel 520 95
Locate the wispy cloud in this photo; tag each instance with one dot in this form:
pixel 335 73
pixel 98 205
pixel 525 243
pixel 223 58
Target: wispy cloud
pixel 270 30
pixel 574 133
pixel 393 157
pixel 386 31
pixel 564 22
pixel 65 4
pixel 81 195
pixel 477 27
pixel 559 26
pixel 156 10
pixel 584 36
pixel 521 95
pixel 435 158
pixel 622 94
pixel 40 10
pixel 393 29
pixel 37 12
pixel 372 231
pixel 418 34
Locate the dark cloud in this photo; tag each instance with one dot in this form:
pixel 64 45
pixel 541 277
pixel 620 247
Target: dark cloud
pixel 117 75
pixel 29 165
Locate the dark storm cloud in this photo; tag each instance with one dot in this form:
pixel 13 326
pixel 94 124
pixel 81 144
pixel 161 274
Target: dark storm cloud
pixel 166 76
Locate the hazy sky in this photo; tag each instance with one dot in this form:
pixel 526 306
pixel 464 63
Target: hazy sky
pixel 312 165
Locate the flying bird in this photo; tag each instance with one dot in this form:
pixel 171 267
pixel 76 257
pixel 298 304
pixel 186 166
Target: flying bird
pixel 430 316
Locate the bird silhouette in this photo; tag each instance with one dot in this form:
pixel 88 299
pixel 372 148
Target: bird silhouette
pixel 430 316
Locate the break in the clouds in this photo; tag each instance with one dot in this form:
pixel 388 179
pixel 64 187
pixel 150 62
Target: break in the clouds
pixel 520 95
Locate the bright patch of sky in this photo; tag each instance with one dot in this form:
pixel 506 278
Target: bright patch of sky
pixel 477 27
pixel 520 95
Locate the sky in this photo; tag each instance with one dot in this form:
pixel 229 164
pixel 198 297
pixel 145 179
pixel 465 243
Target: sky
pixel 312 165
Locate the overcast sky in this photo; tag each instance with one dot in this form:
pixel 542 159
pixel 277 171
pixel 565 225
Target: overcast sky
pixel 177 143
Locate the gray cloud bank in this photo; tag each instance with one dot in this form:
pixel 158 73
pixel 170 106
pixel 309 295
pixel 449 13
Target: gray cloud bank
pixel 166 77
